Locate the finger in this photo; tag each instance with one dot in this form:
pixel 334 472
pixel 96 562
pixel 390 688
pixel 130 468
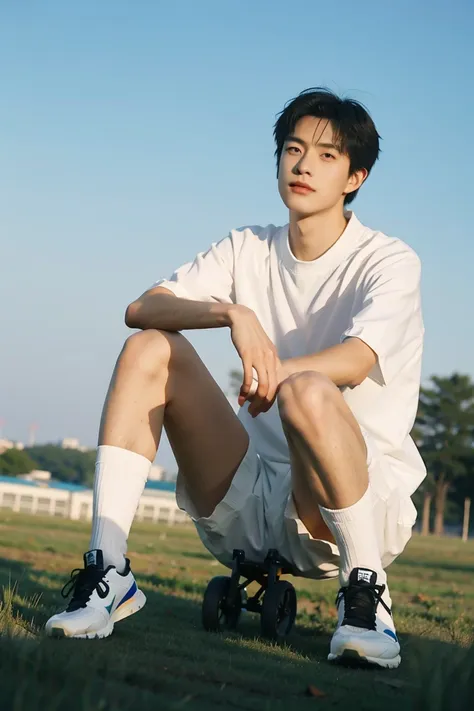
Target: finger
pixel 259 397
pixel 272 376
pixel 247 381
pixel 254 386
pixel 272 384
pixel 251 392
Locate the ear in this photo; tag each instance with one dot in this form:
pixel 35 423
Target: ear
pixel 355 180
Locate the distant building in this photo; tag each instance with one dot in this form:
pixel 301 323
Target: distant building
pixel 56 498
pixel 8 444
pixel 157 473
pixel 36 475
pixel 170 477
pixel 73 443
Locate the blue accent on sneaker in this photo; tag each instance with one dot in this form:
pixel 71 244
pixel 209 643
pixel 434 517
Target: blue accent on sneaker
pixel 128 595
pixel 392 634
pixel 109 607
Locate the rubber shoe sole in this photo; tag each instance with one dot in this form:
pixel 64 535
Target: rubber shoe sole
pixel 352 658
pixel 128 608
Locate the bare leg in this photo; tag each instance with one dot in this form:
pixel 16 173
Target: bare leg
pixel 329 470
pixel 327 449
pixel 159 379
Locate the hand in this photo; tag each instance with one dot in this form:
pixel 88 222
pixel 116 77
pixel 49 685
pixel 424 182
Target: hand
pixel 282 373
pixel 258 353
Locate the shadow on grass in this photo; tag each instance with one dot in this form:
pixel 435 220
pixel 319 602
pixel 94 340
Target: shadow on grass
pixel 163 659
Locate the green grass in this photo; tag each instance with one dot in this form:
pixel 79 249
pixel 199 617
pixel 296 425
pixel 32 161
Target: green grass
pixel 162 659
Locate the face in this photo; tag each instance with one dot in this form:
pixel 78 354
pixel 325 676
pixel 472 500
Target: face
pixel 310 158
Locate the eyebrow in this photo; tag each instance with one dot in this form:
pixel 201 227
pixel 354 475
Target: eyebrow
pixel 295 139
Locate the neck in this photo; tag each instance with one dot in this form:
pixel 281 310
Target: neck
pixel 310 237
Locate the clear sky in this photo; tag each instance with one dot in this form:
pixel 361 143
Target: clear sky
pixel 134 134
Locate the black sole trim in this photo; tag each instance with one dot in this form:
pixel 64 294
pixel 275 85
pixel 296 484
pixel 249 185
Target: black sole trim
pixel 351 658
pixel 57 632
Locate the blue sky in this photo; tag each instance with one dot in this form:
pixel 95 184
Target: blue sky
pixel 135 134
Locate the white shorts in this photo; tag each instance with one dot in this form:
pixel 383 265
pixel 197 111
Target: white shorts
pixel 258 513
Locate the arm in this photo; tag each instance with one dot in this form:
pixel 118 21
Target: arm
pixel 198 295
pixel 160 308
pixel 346 364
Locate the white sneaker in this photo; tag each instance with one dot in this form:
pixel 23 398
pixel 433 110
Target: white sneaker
pixel 100 599
pixel 365 633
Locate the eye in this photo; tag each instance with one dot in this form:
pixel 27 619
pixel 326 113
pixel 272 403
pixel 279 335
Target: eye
pixel 329 155
pixel 293 150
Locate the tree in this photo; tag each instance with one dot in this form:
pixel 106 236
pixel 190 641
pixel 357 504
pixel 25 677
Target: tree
pixel 423 497
pixel 16 461
pixel 70 465
pixel 465 486
pixel 444 432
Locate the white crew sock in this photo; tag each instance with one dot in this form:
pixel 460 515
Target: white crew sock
pixel 356 537
pixel 120 477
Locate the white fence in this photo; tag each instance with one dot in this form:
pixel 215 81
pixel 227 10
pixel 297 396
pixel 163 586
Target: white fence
pixel 155 506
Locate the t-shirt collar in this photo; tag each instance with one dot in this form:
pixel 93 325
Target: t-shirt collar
pixel 345 245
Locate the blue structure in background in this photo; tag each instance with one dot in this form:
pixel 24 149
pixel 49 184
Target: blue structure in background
pixel 67 486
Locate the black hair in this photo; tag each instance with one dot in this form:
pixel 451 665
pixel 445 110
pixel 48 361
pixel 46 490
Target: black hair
pixel 354 131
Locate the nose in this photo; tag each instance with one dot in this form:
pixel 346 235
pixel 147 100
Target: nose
pixel 302 167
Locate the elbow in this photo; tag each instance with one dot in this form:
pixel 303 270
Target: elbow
pixel 363 362
pixel 357 379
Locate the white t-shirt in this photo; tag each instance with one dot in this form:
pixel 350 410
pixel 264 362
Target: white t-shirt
pixel 367 285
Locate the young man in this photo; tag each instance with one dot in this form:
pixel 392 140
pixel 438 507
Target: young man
pixel 325 314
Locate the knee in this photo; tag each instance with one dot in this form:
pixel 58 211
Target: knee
pixel 151 350
pixel 306 397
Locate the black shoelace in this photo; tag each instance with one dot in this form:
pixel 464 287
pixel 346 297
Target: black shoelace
pixel 82 584
pixel 360 604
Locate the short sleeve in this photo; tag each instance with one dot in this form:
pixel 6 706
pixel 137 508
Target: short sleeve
pixel 388 315
pixel 210 277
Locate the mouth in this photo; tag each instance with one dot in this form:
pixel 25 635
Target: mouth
pixel 301 188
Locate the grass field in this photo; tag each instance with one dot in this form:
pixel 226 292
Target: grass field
pixel 162 659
